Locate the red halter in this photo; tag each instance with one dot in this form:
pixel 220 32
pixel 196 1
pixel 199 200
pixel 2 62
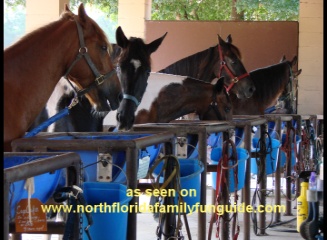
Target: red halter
pixel 234 78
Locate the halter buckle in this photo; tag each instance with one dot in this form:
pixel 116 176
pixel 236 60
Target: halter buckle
pixel 235 79
pixel 82 50
pixel 99 80
pixel 73 102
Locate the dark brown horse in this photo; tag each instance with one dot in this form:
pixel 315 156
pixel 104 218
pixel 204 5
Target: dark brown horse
pixel 73 46
pixel 178 99
pixel 224 60
pixel 132 59
pixel 270 83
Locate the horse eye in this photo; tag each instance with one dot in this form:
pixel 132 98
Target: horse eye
pixel 104 47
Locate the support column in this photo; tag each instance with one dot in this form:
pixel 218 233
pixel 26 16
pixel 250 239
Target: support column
pixel 131 16
pixel 39 13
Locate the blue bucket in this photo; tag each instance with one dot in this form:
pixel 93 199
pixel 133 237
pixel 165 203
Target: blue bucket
pixel 283 154
pixel 242 155
pixel 90 157
pixel 271 158
pixel 42 191
pixel 190 179
pixel 109 221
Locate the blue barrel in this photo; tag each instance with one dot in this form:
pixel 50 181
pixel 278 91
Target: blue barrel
pixel 293 157
pixel 190 180
pixel 108 205
pixel 44 184
pixel 242 155
pixel 271 157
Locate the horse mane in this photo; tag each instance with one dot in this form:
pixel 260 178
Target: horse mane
pixel 268 89
pixel 199 65
pixel 236 51
pixel 191 65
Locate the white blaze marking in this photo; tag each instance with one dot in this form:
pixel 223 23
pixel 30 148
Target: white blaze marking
pixel 136 63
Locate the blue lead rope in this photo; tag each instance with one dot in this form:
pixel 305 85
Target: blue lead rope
pixel 47 123
pixel 270 109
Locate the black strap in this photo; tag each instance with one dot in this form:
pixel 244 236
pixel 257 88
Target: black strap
pixel 75 196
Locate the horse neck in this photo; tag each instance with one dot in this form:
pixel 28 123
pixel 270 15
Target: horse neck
pixel 199 65
pixel 42 57
pixel 179 100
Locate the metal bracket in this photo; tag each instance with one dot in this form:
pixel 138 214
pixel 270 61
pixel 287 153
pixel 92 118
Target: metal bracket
pixel 181 147
pixel 104 167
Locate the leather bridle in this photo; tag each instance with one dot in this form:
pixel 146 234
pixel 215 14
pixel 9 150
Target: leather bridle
pixel 224 66
pixel 83 52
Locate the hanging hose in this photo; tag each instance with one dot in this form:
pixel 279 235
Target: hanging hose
pixel 222 167
pixel 173 178
pixel 287 148
pixel 263 151
pixel 254 211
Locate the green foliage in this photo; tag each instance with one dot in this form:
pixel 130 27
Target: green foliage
pixel 190 10
pixel 108 7
pixel 203 10
pixel 267 10
pixel 250 10
pixel 14 23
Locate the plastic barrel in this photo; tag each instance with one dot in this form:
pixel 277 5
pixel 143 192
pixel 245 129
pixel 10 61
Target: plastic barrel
pixel 271 157
pixel 190 180
pixel 242 155
pixel 44 184
pixel 110 220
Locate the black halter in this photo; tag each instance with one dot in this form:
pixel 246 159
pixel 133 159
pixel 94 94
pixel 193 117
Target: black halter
pixel 213 106
pixel 83 52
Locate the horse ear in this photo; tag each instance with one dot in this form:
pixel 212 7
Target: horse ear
pixel 67 8
pixel 282 59
pixel 294 61
pixel 297 73
pixel 229 39
pixel 220 40
pixel 220 85
pixel 81 13
pixel 153 46
pixel 121 39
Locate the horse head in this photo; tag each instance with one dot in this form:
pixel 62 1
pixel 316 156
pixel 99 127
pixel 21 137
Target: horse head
pixel 134 70
pixel 231 67
pixel 89 65
pixel 220 107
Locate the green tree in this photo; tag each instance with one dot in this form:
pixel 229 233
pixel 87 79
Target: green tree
pixel 106 12
pixel 14 23
pixel 247 10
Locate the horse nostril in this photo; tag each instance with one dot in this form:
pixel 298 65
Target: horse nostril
pixel 120 97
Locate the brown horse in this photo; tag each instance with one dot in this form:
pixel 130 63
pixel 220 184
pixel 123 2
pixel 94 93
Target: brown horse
pixel 222 60
pixel 124 55
pixel 178 99
pixel 73 46
pixel 270 83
